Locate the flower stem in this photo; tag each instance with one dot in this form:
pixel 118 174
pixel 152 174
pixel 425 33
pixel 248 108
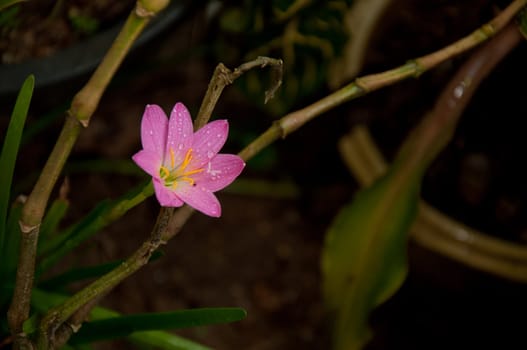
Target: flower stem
pixel 82 108
pixel 167 224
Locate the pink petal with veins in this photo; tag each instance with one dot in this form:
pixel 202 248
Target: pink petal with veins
pixel 220 172
pixel 165 195
pixel 208 141
pixel 180 134
pixel 149 161
pixel 154 129
pixel 200 198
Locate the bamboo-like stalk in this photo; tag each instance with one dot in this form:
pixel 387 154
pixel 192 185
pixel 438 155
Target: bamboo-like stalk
pixel 82 108
pixel 170 221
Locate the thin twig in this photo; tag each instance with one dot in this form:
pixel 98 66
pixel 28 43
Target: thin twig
pixel 223 77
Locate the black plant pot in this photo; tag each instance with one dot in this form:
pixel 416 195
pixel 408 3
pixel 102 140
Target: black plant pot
pixel 65 67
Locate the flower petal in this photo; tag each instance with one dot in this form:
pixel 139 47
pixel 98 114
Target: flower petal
pixel 149 161
pixel 199 198
pixel 154 129
pixel 220 172
pixel 208 141
pixel 180 133
pixel 166 196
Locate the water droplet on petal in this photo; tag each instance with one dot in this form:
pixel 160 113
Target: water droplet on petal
pixel 219 135
pixel 210 154
pixel 180 147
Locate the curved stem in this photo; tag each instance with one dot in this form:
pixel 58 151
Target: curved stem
pixel 369 83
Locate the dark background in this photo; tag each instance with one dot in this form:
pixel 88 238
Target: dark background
pixel 263 254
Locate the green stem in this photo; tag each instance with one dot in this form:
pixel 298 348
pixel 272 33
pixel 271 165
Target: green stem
pixel 82 108
pixel 31 217
pixel 87 99
pixel 369 83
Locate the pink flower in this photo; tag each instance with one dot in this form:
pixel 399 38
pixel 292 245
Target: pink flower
pixel 185 165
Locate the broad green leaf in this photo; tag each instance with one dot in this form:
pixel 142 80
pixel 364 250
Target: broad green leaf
pixel 82 273
pixel 6 3
pixel 101 216
pixel 10 151
pixel 118 327
pixel 364 257
pixel 43 301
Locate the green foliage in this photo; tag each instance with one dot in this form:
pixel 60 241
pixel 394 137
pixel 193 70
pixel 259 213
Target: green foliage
pixel 103 214
pixel 7 164
pixel 118 327
pixel 4 4
pixel 153 339
pixel 82 23
pixel 83 273
pixel 10 256
pixel 364 257
pixel 53 217
pixel 9 18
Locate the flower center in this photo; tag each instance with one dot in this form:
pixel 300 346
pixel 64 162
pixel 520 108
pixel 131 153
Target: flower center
pixel 180 173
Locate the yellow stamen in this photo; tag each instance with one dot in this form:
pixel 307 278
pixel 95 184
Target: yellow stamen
pixel 188 158
pixel 172 160
pixel 192 172
pixel 163 172
pixel 187 179
pixel 174 175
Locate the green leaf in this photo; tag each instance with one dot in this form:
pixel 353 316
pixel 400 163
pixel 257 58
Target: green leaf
pixel 364 257
pixel 82 273
pixel 163 340
pixel 43 301
pixel 118 327
pixel 6 3
pixel 10 151
pixel 10 257
pixel 101 216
